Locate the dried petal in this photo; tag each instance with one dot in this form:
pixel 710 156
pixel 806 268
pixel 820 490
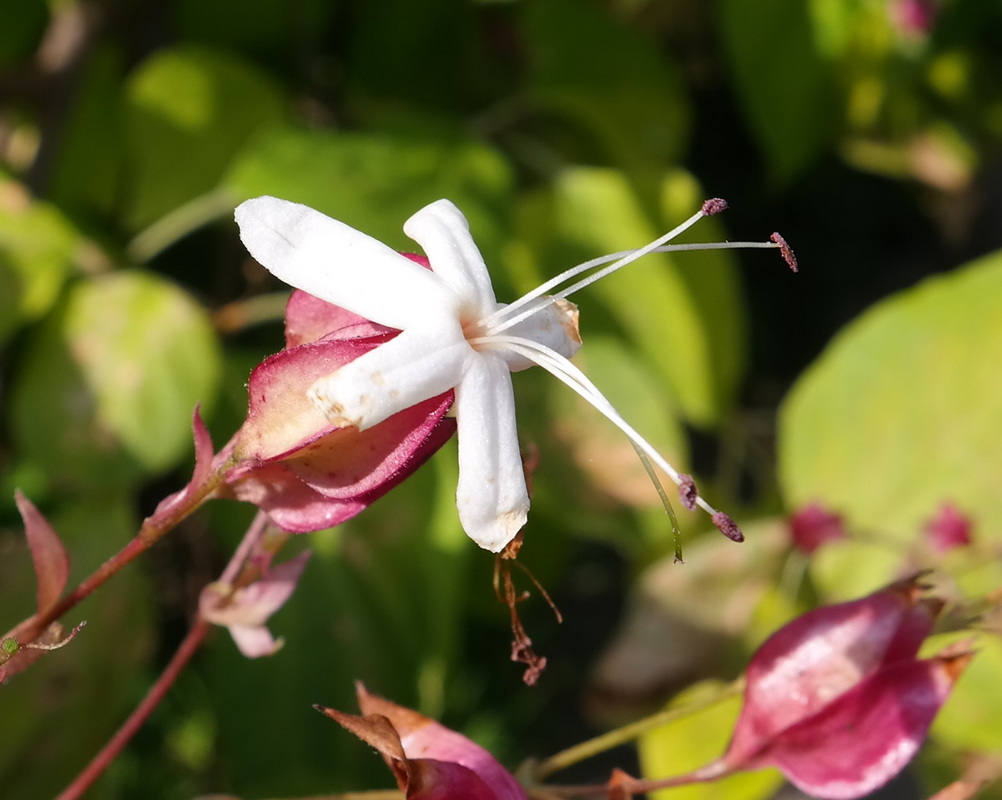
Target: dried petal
pixel 423 738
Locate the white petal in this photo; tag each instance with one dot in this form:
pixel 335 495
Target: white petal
pixel 442 230
pixel 492 498
pixel 423 361
pixel 339 264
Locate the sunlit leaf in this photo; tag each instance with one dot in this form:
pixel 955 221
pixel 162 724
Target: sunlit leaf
pixel 682 312
pixel 697 740
pixel 901 412
pixel 109 382
pixel 37 245
pixel 591 69
pixel 188 112
pixel 375 181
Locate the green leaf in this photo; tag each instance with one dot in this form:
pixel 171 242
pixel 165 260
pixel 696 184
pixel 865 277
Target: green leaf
pixel 109 383
pixel 375 181
pixel 781 79
pixel 188 111
pixel 22 31
pixel 695 741
pixel 264 26
pixel 89 164
pixel 683 312
pixel 901 412
pixel 37 246
pixel 593 70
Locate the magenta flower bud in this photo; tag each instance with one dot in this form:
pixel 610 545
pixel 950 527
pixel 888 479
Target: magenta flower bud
pixel 948 529
pixel 838 700
pixel 813 525
pixel 305 472
pixel 428 760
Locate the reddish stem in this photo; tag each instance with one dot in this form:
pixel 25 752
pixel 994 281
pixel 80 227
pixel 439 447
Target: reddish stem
pixel 158 690
pixel 151 532
pixel 137 719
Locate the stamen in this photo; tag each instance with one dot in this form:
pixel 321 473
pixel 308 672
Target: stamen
pixel 714 206
pixel 565 371
pixel 786 251
pixel 727 526
pixel 687 492
pixel 676 533
pixel 491 320
pixel 510 315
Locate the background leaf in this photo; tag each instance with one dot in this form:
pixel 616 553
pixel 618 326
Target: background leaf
pixel 695 741
pixel 901 412
pixel 109 379
pixel 785 89
pixel 187 113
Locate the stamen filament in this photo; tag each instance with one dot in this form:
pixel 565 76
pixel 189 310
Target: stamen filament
pixel 631 255
pixel 676 532
pixel 562 369
pixel 621 259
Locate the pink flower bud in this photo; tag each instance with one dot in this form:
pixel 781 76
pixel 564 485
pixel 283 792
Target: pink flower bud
pixel 838 700
pixel 948 529
pixel 292 462
pixel 813 525
pixel 429 761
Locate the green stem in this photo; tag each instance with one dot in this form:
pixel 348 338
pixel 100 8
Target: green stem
pixel 627 733
pixel 177 224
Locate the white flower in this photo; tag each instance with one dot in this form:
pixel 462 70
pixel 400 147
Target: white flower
pixel 454 335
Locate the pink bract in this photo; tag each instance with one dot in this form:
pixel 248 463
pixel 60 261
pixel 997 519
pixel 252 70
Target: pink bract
pixel 839 700
pixel 291 462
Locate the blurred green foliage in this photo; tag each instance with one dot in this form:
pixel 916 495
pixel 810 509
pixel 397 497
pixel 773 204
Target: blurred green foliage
pixel 867 131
